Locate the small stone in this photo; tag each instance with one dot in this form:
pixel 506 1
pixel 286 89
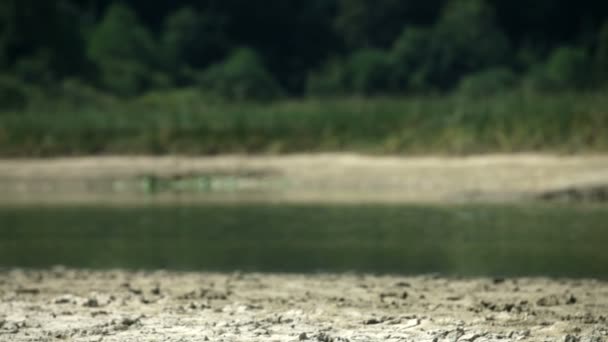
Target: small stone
pixel 99 313
pixel 571 338
pixel 571 300
pixel 551 300
pixel 135 291
pixel 387 295
pixel 323 337
pixel 156 290
pixel 31 291
pixel 498 280
pixel 62 301
pixel 372 321
pixel 129 321
pixel 91 303
pixel 303 337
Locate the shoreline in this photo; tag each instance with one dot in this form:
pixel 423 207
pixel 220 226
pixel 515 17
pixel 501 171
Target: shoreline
pixel 302 178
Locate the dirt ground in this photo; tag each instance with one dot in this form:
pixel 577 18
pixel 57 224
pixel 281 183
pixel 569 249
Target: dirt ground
pixel 309 178
pixel 81 305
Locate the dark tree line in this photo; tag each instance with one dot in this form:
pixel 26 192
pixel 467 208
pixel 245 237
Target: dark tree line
pixel 245 49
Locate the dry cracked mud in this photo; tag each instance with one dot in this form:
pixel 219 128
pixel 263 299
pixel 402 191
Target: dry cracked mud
pixel 83 305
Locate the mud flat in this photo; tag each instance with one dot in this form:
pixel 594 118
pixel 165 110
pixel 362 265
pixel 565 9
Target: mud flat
pixel 81 305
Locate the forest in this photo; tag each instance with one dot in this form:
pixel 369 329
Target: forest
pixel 82 66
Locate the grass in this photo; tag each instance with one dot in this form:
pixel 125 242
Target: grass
pixel 532 239
pixel 186 122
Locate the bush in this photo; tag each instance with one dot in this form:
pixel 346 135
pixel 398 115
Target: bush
pixel 568 68
pixel 35 69
pixel 329 81
pixel 241 77
pixel 13 94
pixel 487 82
pixel 78 94
pixel 370 72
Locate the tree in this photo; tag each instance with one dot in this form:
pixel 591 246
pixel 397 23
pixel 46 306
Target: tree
pixel 329 80
pixel 292 36
pixel 123 50
pixel 36 30
pixel 409 57
pixel 377 23
pixel 369 72
pixel 601 55
pixel 192 39
pixel 465 39
pixel 242 76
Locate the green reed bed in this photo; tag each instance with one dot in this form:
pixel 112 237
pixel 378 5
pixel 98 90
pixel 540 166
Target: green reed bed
pixel 186 122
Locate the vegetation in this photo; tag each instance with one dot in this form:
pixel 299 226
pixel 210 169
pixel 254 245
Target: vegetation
pixel 184 122
pixel 441 76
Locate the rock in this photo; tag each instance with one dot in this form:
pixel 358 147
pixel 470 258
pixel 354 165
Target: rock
pixel 31 291
pixel 155 290
pixel 387 295
pixel 372 321
pixel 551 300
pixel 91 303
pixel 99 313
pixel 129 321
pixel 449 336
pixel 323 337
pixel 498 280
pixel 571 338
pixel 65 299
pixel 470 337
pixel 135 291
pixel 592 338
pixel 303 337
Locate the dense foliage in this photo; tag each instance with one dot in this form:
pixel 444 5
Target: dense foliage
pixel 299 47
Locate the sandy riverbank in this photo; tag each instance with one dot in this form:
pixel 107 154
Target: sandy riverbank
pixel 306 178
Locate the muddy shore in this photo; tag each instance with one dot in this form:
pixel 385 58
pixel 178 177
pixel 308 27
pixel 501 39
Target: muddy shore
pixel 82 305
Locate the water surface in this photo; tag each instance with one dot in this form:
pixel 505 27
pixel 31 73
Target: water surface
pixel 521 239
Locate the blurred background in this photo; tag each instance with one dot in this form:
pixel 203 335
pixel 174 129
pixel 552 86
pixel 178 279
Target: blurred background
pixel 440 76
pixel 168 89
